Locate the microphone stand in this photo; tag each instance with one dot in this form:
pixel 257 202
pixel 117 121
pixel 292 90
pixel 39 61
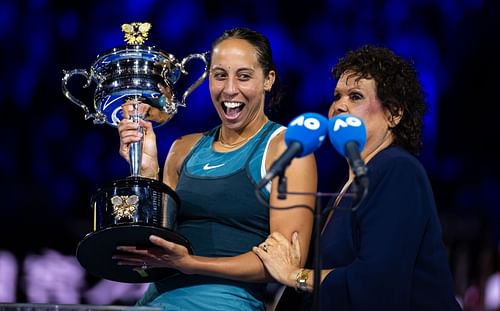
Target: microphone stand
pixel 282 186
pixel 360 190
pixel 317 256
pixel 282 193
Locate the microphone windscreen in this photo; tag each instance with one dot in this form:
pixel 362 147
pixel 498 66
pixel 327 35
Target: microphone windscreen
pixel 309 130
pixel 345 128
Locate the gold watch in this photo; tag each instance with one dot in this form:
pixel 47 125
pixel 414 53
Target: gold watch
pixel 301 279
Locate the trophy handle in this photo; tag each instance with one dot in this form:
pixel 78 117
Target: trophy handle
pixel 99 118
pixel 203 57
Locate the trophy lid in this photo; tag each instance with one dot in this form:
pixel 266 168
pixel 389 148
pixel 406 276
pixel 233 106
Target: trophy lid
pixel 135 53
pixel 136 33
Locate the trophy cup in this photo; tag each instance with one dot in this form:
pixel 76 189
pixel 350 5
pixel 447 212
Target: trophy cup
pixel 127 211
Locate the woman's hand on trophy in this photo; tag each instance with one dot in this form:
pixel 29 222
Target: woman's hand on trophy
pixel 133 129
pixel 164 254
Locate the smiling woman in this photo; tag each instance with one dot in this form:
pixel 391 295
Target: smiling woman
pixel 215 175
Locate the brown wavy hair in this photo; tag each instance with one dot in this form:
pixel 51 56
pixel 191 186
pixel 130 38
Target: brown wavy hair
pixel 397 88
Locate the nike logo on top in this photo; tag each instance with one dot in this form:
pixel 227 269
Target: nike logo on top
pixel 209 167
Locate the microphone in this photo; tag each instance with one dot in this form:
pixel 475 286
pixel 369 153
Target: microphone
pixel 303 136
pixel 348 135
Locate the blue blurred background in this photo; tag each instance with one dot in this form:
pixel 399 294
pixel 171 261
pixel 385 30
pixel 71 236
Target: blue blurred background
pixel 52 160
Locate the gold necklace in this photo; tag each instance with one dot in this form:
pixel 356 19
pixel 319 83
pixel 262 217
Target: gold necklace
pixel 238 143
pixel 230 146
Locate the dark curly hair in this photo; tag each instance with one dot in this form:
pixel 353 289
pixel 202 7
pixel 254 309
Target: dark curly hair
pixel 264 54
pixel 397 87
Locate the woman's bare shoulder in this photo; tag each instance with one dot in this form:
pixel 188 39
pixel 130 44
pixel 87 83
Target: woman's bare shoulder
pixel 183 144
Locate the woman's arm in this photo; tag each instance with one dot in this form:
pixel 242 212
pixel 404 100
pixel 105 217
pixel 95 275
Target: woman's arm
pixel 301 175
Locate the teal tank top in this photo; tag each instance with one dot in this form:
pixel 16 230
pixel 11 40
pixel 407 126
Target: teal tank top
pixel 221 216
pixel 220 213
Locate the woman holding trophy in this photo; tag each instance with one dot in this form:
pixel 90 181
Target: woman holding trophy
pixel 215 175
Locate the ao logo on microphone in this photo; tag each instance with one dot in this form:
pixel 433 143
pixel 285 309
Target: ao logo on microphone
pixel 310 123
pixel 345 129
pixel 349 121
pixel 303 136
pixel 309 130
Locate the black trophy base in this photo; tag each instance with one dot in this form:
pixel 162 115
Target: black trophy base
pixel 96 249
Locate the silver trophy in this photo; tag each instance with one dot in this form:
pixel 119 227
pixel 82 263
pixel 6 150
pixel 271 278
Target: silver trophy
pixel 127 211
